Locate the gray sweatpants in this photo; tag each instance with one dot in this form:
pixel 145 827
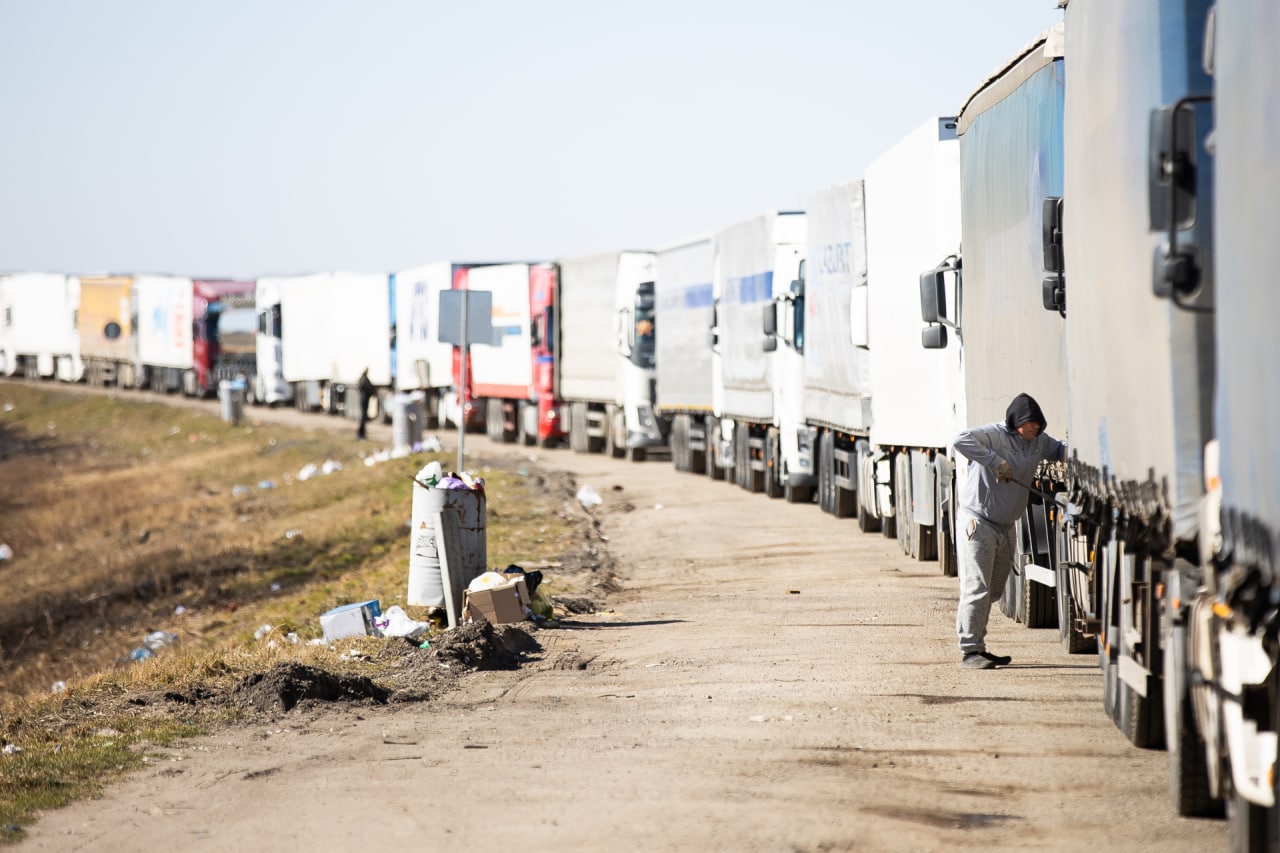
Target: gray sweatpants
pixel 986 556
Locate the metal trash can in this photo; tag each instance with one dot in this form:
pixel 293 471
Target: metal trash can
pixel 231 401
pixel 408 412
pixel 467 506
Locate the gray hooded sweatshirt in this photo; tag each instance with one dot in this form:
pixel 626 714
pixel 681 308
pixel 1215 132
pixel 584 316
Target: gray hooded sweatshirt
pixel 986 446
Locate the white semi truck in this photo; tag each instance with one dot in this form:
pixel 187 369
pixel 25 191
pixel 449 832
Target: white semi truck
pixel 684 308
pixel 424 364
pixel 301 318
pixel 38 336
pixel 758 435
pixel 1011 160
pixel 837 380
pixel 605 355
pixel 904 473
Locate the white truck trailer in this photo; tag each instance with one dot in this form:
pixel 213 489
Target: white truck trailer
pixel 757 385
pixel 1011 160
pixel 331 327
pixel 684 273
pixel 1231 615
pixel 837 380
pixel 605 357
pixel 423 363
pixel 38 337
pixel 917 400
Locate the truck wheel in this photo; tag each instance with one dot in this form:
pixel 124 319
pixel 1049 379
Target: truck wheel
pixel 523 436
pixel 1188 766
pixel 679 444
pixel 1040 604
pixel 697 460
pixel 1074 642
pixel 773 464
pixel 943 532
pixel 714 471
pixel 614 426
pixel 637 454
pixel 825 472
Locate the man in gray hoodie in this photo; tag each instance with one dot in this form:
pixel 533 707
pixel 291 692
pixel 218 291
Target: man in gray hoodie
pixel 1002 459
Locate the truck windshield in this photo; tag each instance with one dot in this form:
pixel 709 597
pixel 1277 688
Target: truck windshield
pixel 233 328
pixel 643 352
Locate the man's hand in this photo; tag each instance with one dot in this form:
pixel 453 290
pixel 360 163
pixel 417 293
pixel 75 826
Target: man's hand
pixel 1004 471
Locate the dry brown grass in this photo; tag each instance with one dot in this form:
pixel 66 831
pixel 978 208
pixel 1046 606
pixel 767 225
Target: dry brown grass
pixel 119 511
pixel 124 517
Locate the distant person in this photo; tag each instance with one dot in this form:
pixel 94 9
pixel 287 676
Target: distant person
pixel 366 394
pixel 1002 459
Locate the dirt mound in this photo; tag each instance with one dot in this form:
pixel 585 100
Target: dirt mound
pixel 286 685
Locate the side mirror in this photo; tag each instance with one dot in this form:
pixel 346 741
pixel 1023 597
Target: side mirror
pixel 1053 290
pixel 934 337
pixel 1171 163
pixel 1172 176
pixel 771 319
pixel 933 296
pixel 1053 294
pixel 770 344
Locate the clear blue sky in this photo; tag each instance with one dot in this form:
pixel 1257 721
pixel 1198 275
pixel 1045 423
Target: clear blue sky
pixel 247 137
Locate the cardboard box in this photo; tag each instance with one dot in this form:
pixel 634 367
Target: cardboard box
pixel 350 620
pixel 496 605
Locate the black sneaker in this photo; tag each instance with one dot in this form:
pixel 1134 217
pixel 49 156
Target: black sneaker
pixel 998 660
pixel 976 660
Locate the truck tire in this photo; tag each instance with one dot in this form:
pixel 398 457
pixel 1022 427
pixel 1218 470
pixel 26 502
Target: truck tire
pixel 697 460
pixel 614 426
pixel 773 486
pixel 714 471
pixel 523 436
pixel 826 472
pixel 1074 642
pixel 1039 603
pixel 944 533
pixel 679 443
pixel 1188 767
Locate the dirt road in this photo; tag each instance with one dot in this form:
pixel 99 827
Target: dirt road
pixel 769 679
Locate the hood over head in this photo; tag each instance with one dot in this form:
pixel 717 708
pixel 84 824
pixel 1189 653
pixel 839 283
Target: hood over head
pixel 1024 408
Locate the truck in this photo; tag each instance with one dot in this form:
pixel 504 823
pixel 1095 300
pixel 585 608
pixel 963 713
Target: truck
pixel 512 378
pixel 38 337
pixel 757 434
pixel 424 364
pixel 1011 159
pixel 1162 275
pixel 683 284
pixel 108 347
pixel 318 332
pixel 192 333
pixel 837 380
pixel 605 374
pixel 894 460
pixel 1222 687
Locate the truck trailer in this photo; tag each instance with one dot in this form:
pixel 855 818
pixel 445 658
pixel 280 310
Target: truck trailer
pixel 684 310
pixel 512 379
pixel 1011 161
pixel 837 377
pixel 108 346
pixel 905 469
pixel 605 356
pixel 38 336
pixel 757 384
pixel 323 330
pixel 425 364
pixel 192 333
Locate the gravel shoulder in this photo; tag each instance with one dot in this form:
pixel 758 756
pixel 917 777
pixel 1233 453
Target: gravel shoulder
pixel 765 678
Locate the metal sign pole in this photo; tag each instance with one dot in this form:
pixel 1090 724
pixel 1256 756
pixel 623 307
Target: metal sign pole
pixel 464 375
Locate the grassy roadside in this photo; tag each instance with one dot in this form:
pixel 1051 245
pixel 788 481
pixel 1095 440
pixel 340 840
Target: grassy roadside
pixel 127 516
